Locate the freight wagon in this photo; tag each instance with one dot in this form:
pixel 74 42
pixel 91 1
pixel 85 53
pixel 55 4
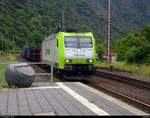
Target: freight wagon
pixel 32 54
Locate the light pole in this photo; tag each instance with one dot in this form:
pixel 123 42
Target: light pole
pixel 109 40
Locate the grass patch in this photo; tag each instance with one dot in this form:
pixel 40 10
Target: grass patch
pixel 5 58
pixel 143 70
pixel 10 58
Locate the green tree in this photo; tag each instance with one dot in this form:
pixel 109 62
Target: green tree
pixel 6 45
pixel 100 50
pixel 134 48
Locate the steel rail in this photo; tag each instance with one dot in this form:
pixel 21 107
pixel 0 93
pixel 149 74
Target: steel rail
pixel 137 103
pixel 123 79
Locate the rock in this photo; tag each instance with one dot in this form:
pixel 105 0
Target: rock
pixel 19 75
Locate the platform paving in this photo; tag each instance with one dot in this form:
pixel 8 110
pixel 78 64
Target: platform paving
pixel 67 98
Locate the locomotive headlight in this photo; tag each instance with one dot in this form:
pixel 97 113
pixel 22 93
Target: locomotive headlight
pixel 90 60
pixel 67 61
pixel 79 50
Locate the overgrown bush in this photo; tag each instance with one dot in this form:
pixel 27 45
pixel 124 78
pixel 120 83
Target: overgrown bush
pixel 135 48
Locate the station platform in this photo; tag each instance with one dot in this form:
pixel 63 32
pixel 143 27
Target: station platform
pixel 62 98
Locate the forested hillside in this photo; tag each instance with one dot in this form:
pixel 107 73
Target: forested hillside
pixel 27 22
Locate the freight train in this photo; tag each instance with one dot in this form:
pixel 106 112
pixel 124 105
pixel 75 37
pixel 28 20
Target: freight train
pixel 71 53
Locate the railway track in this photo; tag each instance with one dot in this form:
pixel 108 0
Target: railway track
pixel 127 98
pixel 122 78
pixel 127 95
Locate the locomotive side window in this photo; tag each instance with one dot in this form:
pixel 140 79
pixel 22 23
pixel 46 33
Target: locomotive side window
pixel 57 42
pixel 47 51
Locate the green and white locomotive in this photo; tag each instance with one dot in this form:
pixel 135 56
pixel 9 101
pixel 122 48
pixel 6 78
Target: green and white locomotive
pixel 73 53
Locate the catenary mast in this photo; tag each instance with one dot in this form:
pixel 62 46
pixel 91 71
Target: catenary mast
pixel 109 40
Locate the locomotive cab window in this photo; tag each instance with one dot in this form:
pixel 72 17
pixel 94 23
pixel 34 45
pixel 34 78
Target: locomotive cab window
pixel 75 42
pixel 85 42
pixel 71 42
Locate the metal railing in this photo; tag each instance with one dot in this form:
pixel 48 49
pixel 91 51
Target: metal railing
pixel 34 63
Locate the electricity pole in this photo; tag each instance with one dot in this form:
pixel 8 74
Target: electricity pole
pixel 109 42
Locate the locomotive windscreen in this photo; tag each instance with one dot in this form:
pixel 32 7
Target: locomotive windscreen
pixel 71 42
pixel 78 42
pixel 85 42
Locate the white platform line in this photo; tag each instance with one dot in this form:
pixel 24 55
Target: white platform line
pixel 82 100
pixel 47 87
